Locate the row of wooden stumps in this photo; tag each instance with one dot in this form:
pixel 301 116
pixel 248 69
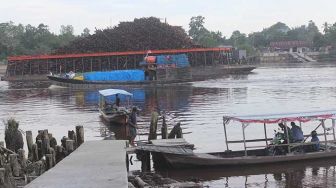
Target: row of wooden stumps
pixel 145 157
pixel 16 169
pixel 176 132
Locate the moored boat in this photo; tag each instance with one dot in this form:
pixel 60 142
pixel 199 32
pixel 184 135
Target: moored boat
pixel 265 154
pixel 156 71
pixel 114 113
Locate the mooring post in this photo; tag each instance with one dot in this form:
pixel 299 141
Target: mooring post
pixel 39 148
pixel 14 164
pixel 22 158
pixel 2 176
pixel 35 154
pixel 145 162
pixel 72 136
pixel 49 161
pixel 53 141
pixel 29 138
pixel 69 146
pixel 53 153
pixel 80 135
pixel 153 126
pixel 164 130
pixel 59 153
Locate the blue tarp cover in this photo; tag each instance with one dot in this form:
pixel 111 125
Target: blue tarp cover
pixel 180 60
pixel 117 75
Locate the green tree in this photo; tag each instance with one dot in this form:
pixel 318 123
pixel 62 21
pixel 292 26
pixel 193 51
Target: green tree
pixel 85 33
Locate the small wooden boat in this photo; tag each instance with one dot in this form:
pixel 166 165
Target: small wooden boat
pixel 178 156
pixel 113 113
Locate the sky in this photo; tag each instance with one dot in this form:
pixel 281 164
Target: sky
pixel 220 15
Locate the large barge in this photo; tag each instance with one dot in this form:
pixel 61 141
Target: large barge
pixel 38 67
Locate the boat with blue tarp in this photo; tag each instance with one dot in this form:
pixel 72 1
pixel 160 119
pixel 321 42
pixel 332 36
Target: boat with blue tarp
pixel 154 70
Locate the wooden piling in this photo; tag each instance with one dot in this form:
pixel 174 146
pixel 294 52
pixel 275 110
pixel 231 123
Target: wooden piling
pixel 45 145
pixel 53 141
pixel 49 161
pixel 153 126
pixel 164 130
pixel 53 153
pixel 2 176
pixel 63 141
pixel 59 153
pixel 72 136
pixel 35 154
pixel 22 158
pixel 29 138
pixel 80 134
pixel 145 162
pixel 69 146
pixel 14 164
pixel 39 148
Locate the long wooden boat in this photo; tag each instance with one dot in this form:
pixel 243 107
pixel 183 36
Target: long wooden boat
pixel 178 156
pixel 72 83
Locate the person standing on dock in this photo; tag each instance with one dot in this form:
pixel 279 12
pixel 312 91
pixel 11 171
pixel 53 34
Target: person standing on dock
pixel 132 122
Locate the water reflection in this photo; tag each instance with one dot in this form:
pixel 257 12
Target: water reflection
pixel 317 173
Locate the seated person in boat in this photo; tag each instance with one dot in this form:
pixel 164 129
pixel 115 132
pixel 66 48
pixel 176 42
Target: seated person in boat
pixel 315 139
pixel 283 128
pixel 296 133
pixel 107 107
pixel 117 100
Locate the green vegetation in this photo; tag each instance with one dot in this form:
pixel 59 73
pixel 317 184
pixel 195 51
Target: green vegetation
pixel 259 40
pixel 30 40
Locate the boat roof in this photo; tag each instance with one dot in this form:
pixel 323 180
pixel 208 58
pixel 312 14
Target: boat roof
pixel 284 117
pixel 109 92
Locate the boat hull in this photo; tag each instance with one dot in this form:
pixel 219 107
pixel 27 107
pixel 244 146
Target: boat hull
pixel 209 160
pixel 116 118
pixel 72 83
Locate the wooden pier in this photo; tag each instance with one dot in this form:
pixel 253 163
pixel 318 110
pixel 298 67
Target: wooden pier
pixel 93 164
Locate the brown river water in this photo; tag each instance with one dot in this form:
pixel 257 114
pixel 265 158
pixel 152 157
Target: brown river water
pixel 199 107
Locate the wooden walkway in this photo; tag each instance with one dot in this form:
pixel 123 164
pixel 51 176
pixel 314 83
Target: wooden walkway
pixel 94 164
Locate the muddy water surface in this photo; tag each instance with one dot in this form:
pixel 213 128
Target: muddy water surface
pixel 199 106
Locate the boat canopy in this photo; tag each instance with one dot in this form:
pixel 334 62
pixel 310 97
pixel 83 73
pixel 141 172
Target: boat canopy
pixel 110 92
pixel 286 117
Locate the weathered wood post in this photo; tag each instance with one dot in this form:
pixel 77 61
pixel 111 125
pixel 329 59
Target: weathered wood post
pixel 63 141
pixel 53 153
pixel 53 141
pixel 69 146
pixel 72 136
pixel 35 154
pixel 45 146
pixel 39 148
pixel 2 176
pixel 59 153
pixel 49 161
pixel 164 130
pixel 29 138
pixel 80 135
pixel 153 126
pixel 176 131
pixel 22 158
pixel 145 161
pixel 14 164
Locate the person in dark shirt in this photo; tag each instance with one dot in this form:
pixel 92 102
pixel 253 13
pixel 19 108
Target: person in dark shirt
pixel 117 102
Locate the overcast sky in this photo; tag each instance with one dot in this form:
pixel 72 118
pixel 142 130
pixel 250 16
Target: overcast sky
pixel 223 15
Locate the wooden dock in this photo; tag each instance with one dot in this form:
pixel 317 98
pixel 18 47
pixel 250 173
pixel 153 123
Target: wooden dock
pixel 94 164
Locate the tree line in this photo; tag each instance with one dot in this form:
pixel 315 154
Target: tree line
pixel 30 40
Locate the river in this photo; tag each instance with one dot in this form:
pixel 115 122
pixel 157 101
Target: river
pixel 199 107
